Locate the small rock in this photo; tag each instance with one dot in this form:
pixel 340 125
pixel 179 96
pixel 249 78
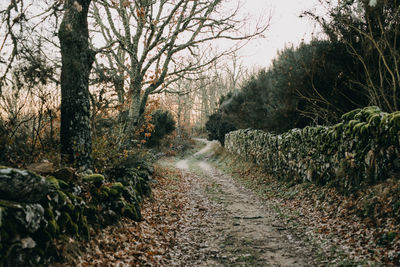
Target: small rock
pixel 66 174
pixel 21 185
pixel 28 242
pixel 44 167
pixel 96 179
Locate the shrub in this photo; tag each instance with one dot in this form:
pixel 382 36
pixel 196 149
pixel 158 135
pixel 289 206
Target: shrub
pixel 217 126
pixel 369 33
pixel 304 85
pixel 164 124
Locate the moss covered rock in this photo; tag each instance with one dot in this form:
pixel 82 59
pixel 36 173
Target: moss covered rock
pixel 363 149
pixel 96 179
pixel 27 229
pixel 67 175
pixel 35 211
pixel 22 185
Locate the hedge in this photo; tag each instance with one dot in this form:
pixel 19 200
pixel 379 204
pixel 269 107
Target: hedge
pixel 363 149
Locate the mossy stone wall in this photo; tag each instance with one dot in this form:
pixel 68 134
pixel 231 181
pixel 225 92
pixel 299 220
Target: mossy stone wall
pixel 363 149
pixel 35 211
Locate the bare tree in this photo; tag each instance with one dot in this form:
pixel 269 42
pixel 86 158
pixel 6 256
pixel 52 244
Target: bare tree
pixel 27 35
pixel 165 40
pixel 196 97
pixel 7 29
pixel 370 30
pixel 29 65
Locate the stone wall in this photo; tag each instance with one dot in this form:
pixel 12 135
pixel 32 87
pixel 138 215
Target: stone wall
pixel 361 150
pixel 35 211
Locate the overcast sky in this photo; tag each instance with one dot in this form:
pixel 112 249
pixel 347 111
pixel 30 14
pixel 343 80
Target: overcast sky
pixel 286 28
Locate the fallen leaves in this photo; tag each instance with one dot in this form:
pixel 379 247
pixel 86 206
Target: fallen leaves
pixel 158 239
pixel 363 227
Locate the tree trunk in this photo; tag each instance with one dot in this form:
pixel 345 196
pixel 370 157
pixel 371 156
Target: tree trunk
pixel 77 60
pixel 179 115
pixel 134 111
pixel 137 107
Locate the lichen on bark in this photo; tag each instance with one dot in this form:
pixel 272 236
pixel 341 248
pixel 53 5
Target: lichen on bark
pixel 77 60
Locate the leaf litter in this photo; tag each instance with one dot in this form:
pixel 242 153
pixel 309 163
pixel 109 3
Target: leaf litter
pixel 193 218
pixel 164 238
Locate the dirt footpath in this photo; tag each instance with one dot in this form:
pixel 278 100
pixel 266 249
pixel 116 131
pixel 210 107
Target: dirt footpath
pixel 236 229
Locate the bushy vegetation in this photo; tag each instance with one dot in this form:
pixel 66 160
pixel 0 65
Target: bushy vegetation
pixel 314 83
pixel 369 32
pixel 217 126
pixel 304 85
pixel 164 124
pixel 317 82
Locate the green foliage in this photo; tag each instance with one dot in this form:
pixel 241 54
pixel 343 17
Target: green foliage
pixel 164 124
pixel 96 179
pixel 257 105
pixel 304 85
pixel 316 74
pixel 370 35
pixel 217 126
